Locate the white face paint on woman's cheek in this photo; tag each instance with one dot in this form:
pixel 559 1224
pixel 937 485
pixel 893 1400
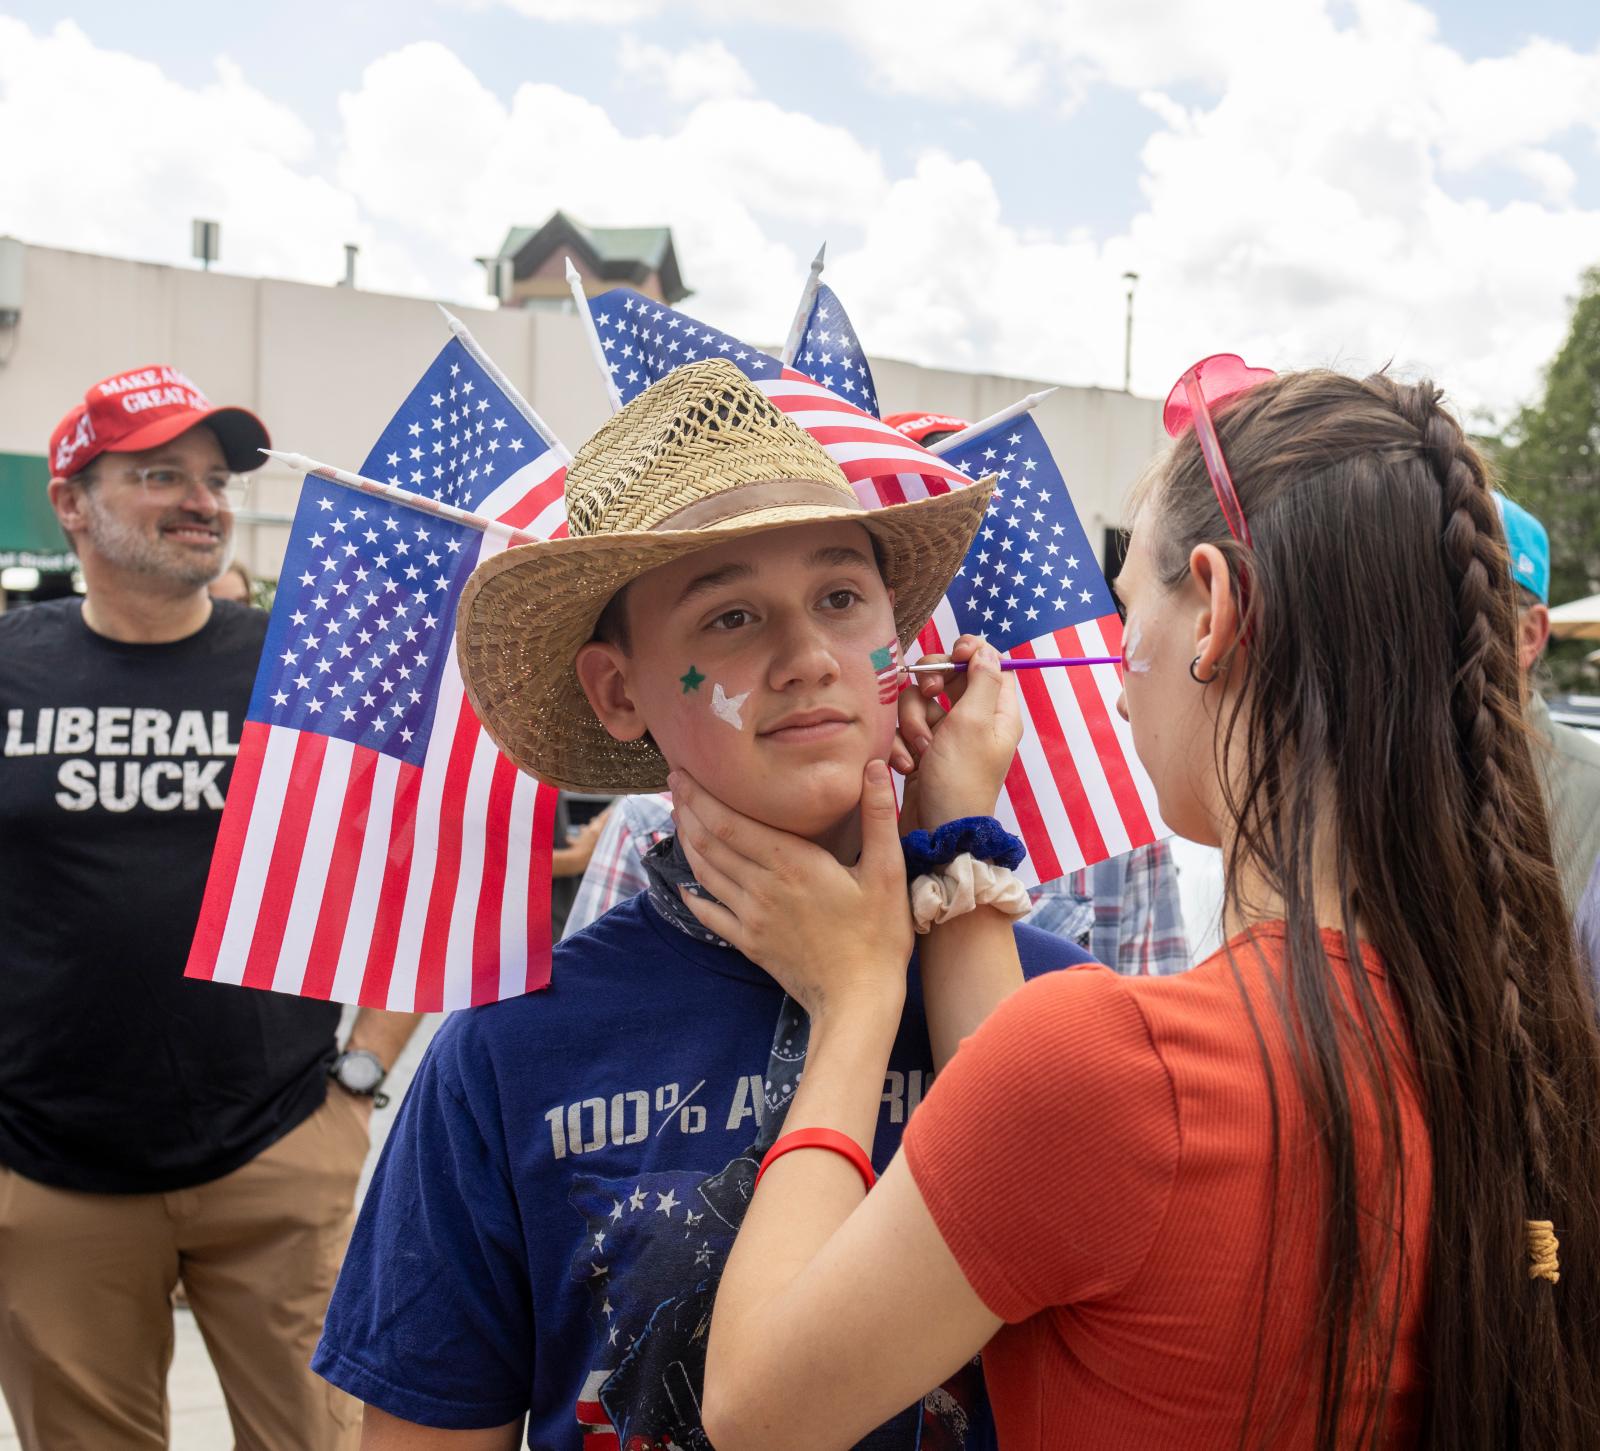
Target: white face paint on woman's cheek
pixel 1134 657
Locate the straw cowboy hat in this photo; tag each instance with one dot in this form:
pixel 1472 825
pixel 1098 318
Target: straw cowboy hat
pixel 700 458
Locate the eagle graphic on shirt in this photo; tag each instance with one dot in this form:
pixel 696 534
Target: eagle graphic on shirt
pixel 654 1250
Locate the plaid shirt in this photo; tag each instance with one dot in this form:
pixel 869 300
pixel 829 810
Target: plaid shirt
pixel 616 870
pixel 1124 911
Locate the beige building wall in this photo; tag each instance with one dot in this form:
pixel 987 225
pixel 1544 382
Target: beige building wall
pixel 325 368
pixel 548 282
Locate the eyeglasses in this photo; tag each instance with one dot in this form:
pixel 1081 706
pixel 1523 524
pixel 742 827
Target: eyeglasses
pixel 1202 387
pixel 171 484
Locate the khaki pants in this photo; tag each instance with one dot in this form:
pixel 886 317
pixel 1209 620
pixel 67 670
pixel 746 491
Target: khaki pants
pixel 86 1280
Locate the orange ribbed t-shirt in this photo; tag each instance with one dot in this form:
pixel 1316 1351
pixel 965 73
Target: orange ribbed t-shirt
pixel 1098 1159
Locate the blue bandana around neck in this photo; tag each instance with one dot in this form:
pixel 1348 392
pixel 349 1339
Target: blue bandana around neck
pixel 668 870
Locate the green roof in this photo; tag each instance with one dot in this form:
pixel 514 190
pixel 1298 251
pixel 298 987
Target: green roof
pixel 610 244
pixel 631 244
pixel 620 253
pixel 514 240
pixel 29 533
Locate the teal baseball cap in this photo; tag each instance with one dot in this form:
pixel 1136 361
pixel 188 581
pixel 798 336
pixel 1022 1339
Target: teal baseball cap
pixel 1529 545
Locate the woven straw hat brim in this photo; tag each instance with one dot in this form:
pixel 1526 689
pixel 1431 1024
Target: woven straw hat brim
pixel 524 614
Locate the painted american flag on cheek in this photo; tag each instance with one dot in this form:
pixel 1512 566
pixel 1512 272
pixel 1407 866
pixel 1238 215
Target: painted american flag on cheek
pixel 886 665
pixel 375 847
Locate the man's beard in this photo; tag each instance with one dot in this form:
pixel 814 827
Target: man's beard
pixel 158 557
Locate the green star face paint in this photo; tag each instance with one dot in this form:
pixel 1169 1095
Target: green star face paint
pixel 691 679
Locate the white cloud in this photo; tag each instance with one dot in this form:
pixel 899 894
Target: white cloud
pixel 1021 53
pixel 1318 214
pixel 104 153
pixel 705 70
pixel 1298 213
pixel 1310 214
pixel 595 12
pixel 732 169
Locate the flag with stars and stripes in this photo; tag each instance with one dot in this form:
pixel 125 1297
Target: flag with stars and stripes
pixel 831 353
pixel 375 847
pixel 1076 793
pixel 645 340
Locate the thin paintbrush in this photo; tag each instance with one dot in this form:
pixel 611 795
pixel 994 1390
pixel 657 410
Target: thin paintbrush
pixel 1015 664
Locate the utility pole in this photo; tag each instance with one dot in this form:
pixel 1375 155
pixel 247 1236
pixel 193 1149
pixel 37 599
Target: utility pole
pixel 1132 279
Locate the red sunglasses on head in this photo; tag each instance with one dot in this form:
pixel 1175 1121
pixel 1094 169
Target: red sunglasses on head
pixel 1208 383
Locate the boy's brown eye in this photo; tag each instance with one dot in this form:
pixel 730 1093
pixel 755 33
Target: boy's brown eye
pixel 842 599
pixel 730 620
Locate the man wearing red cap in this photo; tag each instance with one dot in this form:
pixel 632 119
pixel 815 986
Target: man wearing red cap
pixel 153 1129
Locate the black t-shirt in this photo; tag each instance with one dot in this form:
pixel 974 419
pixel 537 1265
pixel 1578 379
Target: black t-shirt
pixel 117 1073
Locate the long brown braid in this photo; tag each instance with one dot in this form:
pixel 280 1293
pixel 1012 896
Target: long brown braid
pixel 1512 833
pixel 1382 679
pixel 1489 715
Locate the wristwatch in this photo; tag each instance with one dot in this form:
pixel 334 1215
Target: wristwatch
pixel 359 1071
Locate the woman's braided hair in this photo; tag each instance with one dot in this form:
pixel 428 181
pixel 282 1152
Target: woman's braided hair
pixel 1487 703
pixel 1382 676
pixel 1548 1077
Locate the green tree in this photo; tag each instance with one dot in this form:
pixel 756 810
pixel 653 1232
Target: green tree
pixel 1550 463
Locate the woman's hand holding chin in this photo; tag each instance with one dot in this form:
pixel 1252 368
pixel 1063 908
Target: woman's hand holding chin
pixel 836 938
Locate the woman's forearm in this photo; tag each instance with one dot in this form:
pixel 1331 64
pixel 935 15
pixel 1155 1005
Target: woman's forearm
pixel 969 965
pixel 837 1310
pixel 806 1195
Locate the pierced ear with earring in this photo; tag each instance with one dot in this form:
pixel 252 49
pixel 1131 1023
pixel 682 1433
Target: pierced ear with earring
pixel 1195 676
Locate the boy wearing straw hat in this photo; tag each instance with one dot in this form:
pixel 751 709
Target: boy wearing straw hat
pixel 546 1228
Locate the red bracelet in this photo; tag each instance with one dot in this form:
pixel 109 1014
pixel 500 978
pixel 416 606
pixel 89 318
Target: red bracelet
pixel 830 1139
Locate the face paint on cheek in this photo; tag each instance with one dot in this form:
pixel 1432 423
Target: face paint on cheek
pixel 726 707
pixel 1134 657
pixel 886 666
pixel 691 679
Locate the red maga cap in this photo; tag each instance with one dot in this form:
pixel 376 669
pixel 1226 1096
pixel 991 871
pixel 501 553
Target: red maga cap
pixel 146 408
pixel 917 426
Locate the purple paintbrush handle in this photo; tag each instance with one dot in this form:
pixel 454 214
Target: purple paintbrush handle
pixel 1041 664
pixel 921 669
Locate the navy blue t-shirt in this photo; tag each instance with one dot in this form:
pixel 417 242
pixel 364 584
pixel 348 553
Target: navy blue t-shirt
pixel 560 1191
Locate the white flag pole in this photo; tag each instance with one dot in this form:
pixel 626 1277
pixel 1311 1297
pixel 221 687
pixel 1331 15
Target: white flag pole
pixel 994 420
pixel 575 283
pixel 808 299
pixel 505 385
pixel 396 495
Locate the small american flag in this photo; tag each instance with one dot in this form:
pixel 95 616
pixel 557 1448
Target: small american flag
pixel 1076 793
pixel 645 340
pixel 886 661
pixel 375 847
pixel 831 353
pixel 1030 585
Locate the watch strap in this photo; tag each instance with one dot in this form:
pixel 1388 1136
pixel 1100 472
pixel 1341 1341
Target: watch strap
pixel 379 1099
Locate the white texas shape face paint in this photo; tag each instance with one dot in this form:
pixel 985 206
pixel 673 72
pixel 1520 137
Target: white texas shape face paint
pixel 1132 640
pixel 726 707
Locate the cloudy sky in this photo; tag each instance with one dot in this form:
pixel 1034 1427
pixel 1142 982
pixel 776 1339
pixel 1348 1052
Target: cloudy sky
pixel 1303 181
